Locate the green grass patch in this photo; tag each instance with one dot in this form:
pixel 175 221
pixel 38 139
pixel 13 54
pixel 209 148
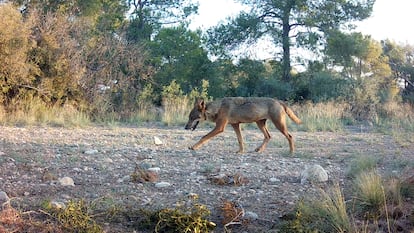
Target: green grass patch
pixel 362 163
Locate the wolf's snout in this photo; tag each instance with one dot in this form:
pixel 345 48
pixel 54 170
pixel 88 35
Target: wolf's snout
pixel 191 125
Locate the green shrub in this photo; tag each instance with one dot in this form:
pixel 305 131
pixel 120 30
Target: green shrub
pixel 189 216
pixel 362 164
pixel 370 194
pixel 75 217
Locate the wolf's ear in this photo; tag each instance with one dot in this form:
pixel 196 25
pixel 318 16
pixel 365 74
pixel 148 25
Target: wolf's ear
pixel 200 104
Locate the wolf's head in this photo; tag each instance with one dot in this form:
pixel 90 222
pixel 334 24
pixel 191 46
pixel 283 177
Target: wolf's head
pixel 197 114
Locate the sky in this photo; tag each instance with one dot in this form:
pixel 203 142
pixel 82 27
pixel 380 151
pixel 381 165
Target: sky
pixel 390 19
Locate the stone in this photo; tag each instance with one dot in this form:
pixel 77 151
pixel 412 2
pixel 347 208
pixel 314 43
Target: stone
pixel 314 173
pixel 162 185
pixel 66 181
pixel 154 169
pixel 57 205
pixel 274 180
pixel 3 197
pixel 251 216
pixel 91 152
pixel 157 141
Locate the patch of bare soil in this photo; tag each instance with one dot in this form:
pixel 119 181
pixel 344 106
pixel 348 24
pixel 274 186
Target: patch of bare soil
pixel 101 160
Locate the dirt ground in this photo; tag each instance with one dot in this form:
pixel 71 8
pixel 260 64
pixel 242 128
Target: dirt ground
pixel 100 160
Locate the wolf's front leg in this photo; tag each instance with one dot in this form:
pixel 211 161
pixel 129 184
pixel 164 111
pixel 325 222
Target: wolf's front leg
pixel 218 129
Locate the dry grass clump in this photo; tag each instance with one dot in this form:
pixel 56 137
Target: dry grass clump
pixel 369 192
pixel 233 214
pixel 374 205
pixel 229 179
pixel 329 116
pixel 142 175
pixel 326 213
pixel 10 220
pixel 13 220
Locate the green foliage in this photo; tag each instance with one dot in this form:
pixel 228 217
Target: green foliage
pixel 200 93
pixel 174 103
pixel 115 88
pixel 186 217
pixel 341 48
pixel 59 59
pixel 16 74
pixel 402 63
pixel 179 54
pixel 310 20
pixel 147 17
pixel 361 164
pixel 322 86
pixel 75 217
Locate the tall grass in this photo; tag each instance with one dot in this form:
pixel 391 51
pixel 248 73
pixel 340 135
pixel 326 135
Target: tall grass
pixel 35 112
pixel 329 116
pixel 326 213
pixel 397 120
pixel 369 192
pixel 333 206
pixel 176 110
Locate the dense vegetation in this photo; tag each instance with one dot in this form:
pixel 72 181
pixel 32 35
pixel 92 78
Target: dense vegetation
pixel 132 60
pixel 80 61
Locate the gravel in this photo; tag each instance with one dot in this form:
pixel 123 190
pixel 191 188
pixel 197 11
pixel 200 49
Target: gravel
pixel 100 160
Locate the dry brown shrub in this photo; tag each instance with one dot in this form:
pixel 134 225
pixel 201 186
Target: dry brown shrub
pixel 232 213
pixel 10 220
pixel 141 175
pixel 235 179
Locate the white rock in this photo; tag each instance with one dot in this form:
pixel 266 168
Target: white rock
pixel 274 180
pixel 154 169
pixel 91 152
pixel 66 181
pixel 314 173
pixel 162 185
pixel 157 141
pixel 108 160
pixel 251 215
pixel 57 205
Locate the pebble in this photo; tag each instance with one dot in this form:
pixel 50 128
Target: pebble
pixel 3 197
pixel 251 215
pixel 274 180
pixel 66 181
pixel 157 141
pixel 57 205
pixel 162 185
pixel 91 152
pixel 154 169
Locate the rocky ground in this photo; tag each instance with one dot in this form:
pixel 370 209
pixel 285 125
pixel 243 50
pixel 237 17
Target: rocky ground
pixel 100 161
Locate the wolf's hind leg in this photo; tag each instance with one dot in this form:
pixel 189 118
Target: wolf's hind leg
pixel 280 123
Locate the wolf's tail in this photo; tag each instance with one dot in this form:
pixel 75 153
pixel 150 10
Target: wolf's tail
pixel 291 114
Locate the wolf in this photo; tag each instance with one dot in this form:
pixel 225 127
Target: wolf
pixel 236 110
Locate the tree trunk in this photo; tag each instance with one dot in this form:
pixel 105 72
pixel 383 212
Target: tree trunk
pixel 286 44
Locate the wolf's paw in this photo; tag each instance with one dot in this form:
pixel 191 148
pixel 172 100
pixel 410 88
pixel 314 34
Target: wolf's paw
pixel 259 149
